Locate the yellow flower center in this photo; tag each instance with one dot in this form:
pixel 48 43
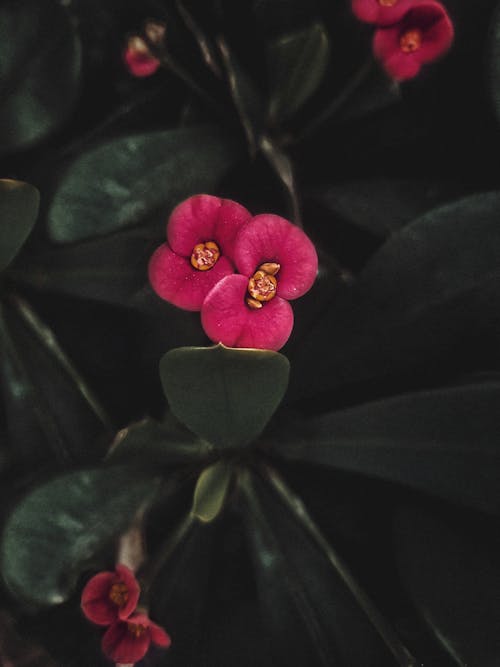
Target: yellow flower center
pixel 262 285
pixel 205 255
pixel 118 594
pixel 136 630
pixel 411 40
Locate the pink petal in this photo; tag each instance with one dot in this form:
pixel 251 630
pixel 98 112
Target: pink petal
pixel 270 238
pixel 437 39
pixel 95 602
pixel 140 65
pixel 174 279
pixel 120 645
pixel 158 635
pixel 232 217
pixel 126 575
pixel 371 11
pixel 402 66
pixel 193 221
pixel 386 43
pixel 227 319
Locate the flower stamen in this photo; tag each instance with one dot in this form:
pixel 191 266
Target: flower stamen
pixel 136 630
pixel 205 255
pixel 262 285
pixel 387 3
pixel 118 594
pixel 411 40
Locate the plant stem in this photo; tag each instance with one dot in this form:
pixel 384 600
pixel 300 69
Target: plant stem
pixel 385 630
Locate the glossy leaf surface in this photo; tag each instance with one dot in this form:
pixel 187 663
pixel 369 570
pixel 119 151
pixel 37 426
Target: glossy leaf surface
pixel 54 532
pixel 224 395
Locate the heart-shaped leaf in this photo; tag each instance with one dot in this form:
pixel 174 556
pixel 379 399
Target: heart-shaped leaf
pixel 18 212
pixel 224 395
pixel 444 442
pixel 55 530
pixel 297 62
pixel 431 288
pixel 38 40
pixel 133 176
pixel 453 575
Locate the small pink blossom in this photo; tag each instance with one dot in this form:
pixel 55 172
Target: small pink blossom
pixel 138 58
pixel 199 251
pixel 109 596
pixel 128 641
pixel 381 12
pixel 423 35
pixel 277 262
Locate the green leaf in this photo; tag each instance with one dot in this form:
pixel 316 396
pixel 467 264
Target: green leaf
pixel 38 39
pixel 150 443
pixel 211 490
pixel 121 183
pixel 297 63
pixel 224 395
pixel 451 571
pixel 54 532
pixel 310 616
pixel 443 442
pixel 426 295
pixel 382 206
pixel 18 212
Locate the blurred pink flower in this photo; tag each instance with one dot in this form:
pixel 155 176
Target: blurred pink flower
pixel 381 12
pixel 128 641
pixel 424 34
pixel 109 596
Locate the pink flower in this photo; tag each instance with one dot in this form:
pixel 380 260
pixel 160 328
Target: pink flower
pixel 424 34
pixel 201 233
pixel 277 263
pixel 138 58
pixel 128 641
pixel 381 12
pixel 110 596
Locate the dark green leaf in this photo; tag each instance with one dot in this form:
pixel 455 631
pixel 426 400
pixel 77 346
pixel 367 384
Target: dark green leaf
pixel 119 183
pixel 429 289
pixel 297 63
pixel 224 395
pixel 453 576
pixel 382 207
pixel 246 97
pixel 37 39
pixel 444 442
pixel 152 443
pixel 50 414
pixel 310 616
pixel 54 532
pixel 18 212
pixel 211 490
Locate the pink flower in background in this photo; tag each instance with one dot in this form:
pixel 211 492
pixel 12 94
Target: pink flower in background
pixel 109 596
pixel 128 641
pixel 424 34
pixel 276 262
pixel 381 12
pixel 138 58
pixel 201 234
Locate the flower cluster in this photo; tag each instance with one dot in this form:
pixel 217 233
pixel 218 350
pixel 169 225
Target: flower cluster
pixel 409 34
pixel 137 55
pixel 239 271
pixel 110 598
